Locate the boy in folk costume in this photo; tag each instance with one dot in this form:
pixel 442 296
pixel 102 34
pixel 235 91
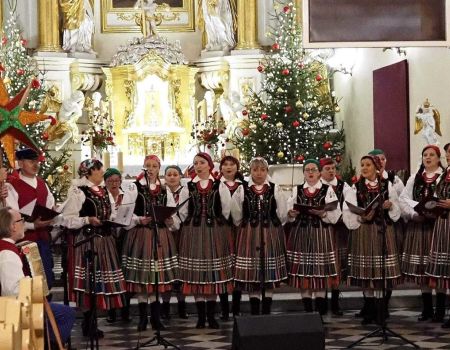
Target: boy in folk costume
pixel 26 190
pixel 328 177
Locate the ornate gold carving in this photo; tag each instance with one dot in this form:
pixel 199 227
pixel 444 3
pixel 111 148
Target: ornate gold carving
pixel 173 19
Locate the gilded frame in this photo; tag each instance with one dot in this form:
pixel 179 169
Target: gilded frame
pixel 121 19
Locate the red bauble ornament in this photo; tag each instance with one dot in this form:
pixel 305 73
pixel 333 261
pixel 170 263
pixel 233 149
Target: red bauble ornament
pixel 245 131
pixel 260 68
pixel 327 145
pixel 244 112
pixel 24 42
pixel 66 167
pixel 285 71
pixel 35 84
pixel 354 179
pixel 286 9
pixel 338 158
pixel 52 120
pixel 318 77
pixel 41 157
pixel 20 71
pixel 4 40
pixel 2 68
pixel 45 136
pixel 296 124
pixel 275 47
pixel 288 109
pixel 264 116
pixel 300 158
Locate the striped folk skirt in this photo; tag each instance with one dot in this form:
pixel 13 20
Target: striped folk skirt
pixel 341 234
pixel 141 268
pixel 438 267
pixel 110 285
pixel 365 262
pixel 312 258
pixel 205 259
pixel 247 270
pixel 415 252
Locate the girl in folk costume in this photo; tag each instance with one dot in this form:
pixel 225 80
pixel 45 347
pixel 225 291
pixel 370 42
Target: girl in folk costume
pixel 172 177
pixel 328 177
pixel 206 262
pixel 232 178
pixel 438 268
pixel 259 207
pixel 119 196
pixel 312 239
pixel 417 244
pixel 366 237
pixel 138 261
pixel 87 206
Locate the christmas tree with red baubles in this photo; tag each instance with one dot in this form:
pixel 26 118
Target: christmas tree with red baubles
pixel 20 71
pixel 292 117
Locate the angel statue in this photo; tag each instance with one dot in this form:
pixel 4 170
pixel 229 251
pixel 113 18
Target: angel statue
pixel 78 24
pixel 66 127
pixel 217 18
pixel 428 120
pixel 147 19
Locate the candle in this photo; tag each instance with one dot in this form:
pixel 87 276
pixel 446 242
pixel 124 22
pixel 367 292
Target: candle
pixel 120 161
pixel 106 160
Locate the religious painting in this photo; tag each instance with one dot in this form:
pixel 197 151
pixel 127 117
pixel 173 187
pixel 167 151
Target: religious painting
pixel 119 16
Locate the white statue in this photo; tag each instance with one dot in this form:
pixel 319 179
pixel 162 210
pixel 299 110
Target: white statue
pixel 78 24
pixel 66 127
pixel 428 120
pixel 147 18
pixel 218 19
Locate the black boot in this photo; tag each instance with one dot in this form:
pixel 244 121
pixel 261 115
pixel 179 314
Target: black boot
pixel 224 306
pixel 370 312
pixel 321 306
pixel 363 310
pixel 155 316
pixel 254 306
pixel 165 310
pixel 335 308
pixel 427 307
pixel 86 326
pixel 112 317
pixel 210 311
pixel 386 303
pixel 266 306
pixel 307 304
pixel 236 302
pixel 439 313
pixel 143 317
pixel 182 309
pixel 201 311
pixel 125 312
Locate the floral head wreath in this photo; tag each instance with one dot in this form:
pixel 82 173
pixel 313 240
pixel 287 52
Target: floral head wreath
pixel 88 164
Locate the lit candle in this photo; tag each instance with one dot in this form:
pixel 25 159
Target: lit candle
pixel 106 160
pixel 120 161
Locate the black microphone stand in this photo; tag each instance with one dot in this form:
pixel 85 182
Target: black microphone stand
pixel 262 252
pixel 64 251
pixel 158 339
pixel 90 256
pixel 383 331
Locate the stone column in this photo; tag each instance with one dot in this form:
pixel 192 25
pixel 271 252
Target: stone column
pixel 49 26
pixel 247 25
pixel 299 8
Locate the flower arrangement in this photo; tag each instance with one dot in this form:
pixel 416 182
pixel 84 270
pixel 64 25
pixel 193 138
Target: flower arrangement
pixel 209 133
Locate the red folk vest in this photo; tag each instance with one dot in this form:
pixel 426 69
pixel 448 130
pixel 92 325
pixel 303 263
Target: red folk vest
pixel 4 245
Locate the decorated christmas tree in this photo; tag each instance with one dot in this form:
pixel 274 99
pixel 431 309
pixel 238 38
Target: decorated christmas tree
pixel 19 71
pixel 292 117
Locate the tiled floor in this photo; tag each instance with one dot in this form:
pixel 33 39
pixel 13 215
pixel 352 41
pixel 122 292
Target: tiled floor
pixel 340 332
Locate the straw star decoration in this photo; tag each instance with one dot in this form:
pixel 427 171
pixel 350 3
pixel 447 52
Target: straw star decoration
pixel 13 120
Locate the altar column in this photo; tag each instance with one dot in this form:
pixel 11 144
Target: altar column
pixel 247 25
pixel 49 26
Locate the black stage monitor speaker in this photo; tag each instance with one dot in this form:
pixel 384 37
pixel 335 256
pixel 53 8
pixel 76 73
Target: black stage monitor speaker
pixel 269 332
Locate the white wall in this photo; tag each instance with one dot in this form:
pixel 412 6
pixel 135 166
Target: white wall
pixel 429 77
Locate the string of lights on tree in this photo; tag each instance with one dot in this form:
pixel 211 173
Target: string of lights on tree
pixel 18 69
pixel 291 118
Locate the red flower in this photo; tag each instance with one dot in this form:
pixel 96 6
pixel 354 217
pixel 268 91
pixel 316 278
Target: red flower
pixel 264 116
pixel 109 139
pixel 296 124
pixel 35 84
pixel 275 47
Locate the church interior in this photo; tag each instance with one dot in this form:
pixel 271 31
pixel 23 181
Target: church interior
pixel 118 80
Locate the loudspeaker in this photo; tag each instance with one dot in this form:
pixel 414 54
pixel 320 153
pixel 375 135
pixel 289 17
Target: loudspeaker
pixel 268 332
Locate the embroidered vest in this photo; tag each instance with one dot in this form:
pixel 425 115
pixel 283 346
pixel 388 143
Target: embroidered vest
pixel 205 203
pixel 260 207
pixel 316 199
